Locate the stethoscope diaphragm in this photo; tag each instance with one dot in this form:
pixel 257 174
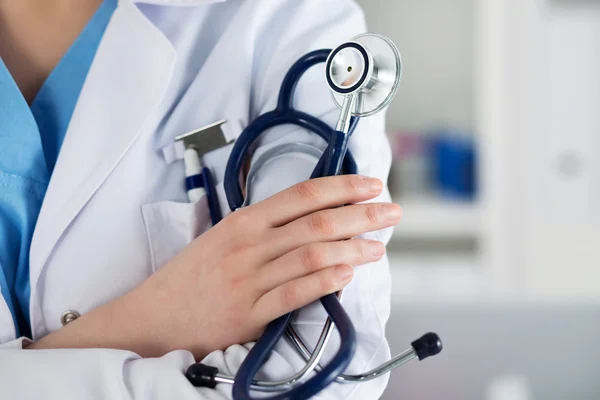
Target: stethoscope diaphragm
pixel 368 68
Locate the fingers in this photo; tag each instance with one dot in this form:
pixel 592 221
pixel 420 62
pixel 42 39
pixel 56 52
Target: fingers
pixel 316 194
pixel 302 291
pixel 317 256
pixel 336 224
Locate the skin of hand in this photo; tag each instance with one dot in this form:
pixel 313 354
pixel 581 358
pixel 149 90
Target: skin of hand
pixel 257 264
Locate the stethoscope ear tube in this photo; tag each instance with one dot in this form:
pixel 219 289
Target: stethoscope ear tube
pixel 428 345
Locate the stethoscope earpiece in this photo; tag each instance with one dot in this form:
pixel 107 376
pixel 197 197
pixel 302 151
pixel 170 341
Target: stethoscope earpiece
pixel 427 345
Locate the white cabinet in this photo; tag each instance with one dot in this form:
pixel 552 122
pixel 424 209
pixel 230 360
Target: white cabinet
pixel 563 216
pixel 541 220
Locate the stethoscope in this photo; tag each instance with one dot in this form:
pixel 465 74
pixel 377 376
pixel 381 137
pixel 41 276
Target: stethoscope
pixel 363 75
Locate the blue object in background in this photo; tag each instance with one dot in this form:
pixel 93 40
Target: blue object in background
pixel 454 168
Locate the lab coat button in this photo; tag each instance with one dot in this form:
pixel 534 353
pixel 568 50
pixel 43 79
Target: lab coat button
pixel 69 316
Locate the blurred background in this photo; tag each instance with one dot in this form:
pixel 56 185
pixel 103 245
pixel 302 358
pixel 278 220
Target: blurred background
pixel 495 134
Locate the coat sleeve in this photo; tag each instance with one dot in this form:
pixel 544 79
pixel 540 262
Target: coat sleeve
pixel 95 374
pixel 315 25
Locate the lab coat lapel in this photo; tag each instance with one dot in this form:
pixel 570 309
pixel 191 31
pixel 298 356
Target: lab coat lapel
pixel 127 79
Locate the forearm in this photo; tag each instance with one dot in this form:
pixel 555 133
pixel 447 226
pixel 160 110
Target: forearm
pixel 114 325
pixel 127 323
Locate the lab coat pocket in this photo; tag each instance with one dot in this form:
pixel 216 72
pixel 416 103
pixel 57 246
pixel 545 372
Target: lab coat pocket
pixel 171 225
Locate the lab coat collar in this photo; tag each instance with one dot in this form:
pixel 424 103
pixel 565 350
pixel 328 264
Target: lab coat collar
pixel 129 76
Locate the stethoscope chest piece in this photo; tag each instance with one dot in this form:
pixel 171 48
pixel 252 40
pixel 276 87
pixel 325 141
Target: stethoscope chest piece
pixel 369 68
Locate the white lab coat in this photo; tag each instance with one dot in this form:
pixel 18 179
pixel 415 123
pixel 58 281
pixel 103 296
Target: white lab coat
pixel 116 211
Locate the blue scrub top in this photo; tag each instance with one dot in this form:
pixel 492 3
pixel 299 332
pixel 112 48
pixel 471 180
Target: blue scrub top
pixel 30 140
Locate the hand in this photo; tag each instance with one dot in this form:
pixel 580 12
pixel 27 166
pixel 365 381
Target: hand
pixel 264 261
pixel 257 264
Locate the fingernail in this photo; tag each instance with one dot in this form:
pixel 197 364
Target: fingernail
pixel 375 185
pixel 377 249
pixel 393 212
pixel 344 272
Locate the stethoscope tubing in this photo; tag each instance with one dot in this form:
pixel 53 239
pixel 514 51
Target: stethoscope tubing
pixel 278 386
pixel 318 382
pixel 235 197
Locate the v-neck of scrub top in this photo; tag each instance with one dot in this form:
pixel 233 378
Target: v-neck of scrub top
pixel 30 140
